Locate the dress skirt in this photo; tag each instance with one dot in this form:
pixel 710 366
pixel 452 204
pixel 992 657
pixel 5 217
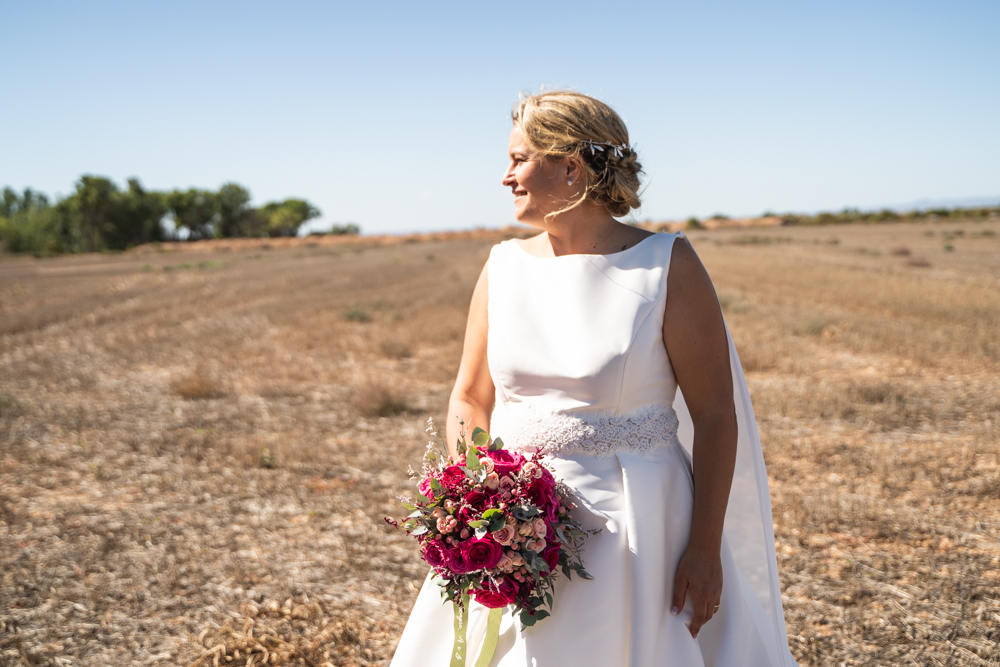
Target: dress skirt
pixel 642 505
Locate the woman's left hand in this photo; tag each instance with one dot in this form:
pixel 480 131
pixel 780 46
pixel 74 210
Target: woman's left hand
pixel 699 573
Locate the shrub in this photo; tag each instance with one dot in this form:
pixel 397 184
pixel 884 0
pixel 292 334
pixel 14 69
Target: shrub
pixel 199 385
pixel 357 314
pixel 378 400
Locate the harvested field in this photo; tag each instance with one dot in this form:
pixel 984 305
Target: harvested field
pixel 198 444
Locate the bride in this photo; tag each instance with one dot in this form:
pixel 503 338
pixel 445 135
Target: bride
pixel 605 344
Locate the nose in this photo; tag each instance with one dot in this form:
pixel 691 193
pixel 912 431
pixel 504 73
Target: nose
pixel 508 177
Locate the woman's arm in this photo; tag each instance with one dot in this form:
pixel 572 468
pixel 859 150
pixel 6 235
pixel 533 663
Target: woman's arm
pixel 695 336
pixel 473 396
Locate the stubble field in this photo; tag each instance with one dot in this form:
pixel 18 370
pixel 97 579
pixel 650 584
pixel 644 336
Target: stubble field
pixel 198 443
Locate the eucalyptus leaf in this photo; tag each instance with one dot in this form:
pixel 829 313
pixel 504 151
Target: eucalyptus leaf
pixel 482 439
pixel 419 530
pixel 479 523
pixel 472 458
pixel 540 614
pixel 480 533
pixel 496 444
pixel 526 618
pixel 475 433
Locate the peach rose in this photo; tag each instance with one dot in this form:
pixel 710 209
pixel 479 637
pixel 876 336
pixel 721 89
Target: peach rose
pixel 492 480
pixel 505 535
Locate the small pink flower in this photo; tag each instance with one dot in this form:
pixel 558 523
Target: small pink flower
pixel 539 546
pixel 525 529
pixel 492 480
pixel 506 483
pixel 505 563
pixel 464 534
pixel 540 529
pixel 487 464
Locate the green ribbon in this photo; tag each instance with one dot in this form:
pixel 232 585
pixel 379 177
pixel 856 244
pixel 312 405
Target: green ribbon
pixel 492 637
pixel 489 641
pixel 461 622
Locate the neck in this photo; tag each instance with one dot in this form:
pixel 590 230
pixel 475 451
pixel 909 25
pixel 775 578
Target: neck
pixel 583 230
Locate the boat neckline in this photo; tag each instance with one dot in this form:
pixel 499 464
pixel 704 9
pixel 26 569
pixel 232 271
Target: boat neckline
pixel 584 254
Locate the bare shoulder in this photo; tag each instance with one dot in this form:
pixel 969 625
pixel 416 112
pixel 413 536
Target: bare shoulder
pixel 686 268
pixel 690 293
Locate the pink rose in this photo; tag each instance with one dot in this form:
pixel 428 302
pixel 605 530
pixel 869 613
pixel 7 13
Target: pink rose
pixel 506 462
pixel 540 529
pixel 492 481
pixel 487 463
pixel 481 554
pixel 425 488
pixel 452 477
pixel 500 596
pixel 505 535
pixel 434 553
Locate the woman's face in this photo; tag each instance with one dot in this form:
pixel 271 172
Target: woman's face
pixel 539 184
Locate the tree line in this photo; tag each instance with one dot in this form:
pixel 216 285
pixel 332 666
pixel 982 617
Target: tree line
pixel 99 215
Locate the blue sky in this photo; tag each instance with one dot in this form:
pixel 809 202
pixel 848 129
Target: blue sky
pixel 395 114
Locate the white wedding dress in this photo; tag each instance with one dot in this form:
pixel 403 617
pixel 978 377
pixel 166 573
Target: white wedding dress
pixel 576 354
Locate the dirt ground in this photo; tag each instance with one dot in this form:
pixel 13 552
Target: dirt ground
pixel 198 444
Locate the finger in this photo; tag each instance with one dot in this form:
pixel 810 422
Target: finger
pixel 700 616
pixel 680 592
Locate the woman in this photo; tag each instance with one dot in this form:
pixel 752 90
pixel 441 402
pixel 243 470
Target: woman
pixel 574 343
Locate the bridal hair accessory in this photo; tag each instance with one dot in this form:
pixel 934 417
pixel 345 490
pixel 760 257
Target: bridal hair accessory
pixel 617 149
pixel 494 526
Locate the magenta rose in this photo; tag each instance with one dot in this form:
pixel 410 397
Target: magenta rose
pixel 481 554
pixel 541 495
pixel 551 555
pixel 456 562
pixel 547 477
pixel 452 477
pixel 505 462
pixel 435 553
pixel 494 598
pixel 478 501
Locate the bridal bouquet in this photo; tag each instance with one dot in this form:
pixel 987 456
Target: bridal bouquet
pixel 494 525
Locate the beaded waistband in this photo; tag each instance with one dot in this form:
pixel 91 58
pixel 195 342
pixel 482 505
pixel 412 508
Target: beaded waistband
pixel 527 429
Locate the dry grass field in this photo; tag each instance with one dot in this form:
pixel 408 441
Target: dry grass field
pixel 198 444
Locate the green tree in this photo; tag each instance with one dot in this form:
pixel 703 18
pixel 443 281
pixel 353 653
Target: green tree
pixel 284 218
pixel 236 216
pixel 136 217
pixel 93 203
pixel 195 210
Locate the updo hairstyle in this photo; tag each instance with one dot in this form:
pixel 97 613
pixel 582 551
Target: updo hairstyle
pixel 562 123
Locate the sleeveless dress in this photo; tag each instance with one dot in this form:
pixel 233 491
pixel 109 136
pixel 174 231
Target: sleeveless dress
pixel 575 350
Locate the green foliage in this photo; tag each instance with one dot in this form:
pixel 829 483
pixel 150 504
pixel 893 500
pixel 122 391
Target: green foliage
pixel 284 218
pixel 854 215
pixel 101 216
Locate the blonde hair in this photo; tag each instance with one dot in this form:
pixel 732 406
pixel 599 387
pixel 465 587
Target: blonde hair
pixel 563 123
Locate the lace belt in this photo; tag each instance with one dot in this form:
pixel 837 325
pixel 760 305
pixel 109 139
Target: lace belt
pixel 527 429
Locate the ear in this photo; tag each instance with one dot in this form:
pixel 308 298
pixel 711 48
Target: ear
pixel 574 168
